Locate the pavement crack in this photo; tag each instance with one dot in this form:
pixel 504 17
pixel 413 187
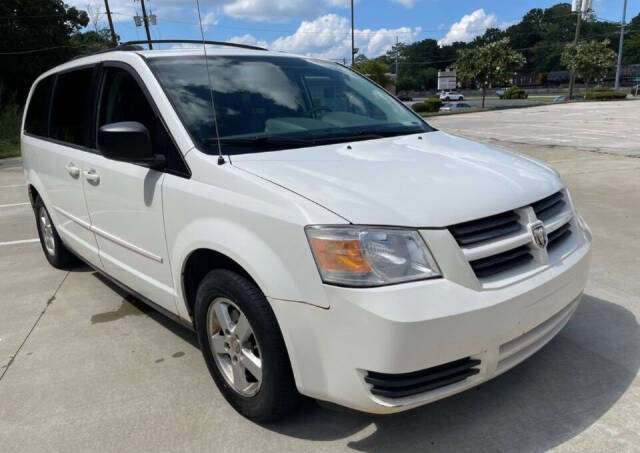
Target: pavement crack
pixel 13 356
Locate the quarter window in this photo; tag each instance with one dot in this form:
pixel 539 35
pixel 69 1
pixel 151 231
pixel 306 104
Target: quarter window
pixel 70 113
pixel 37 119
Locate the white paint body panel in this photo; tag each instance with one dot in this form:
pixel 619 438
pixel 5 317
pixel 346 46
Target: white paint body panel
pixel 415 180
pixel 141 226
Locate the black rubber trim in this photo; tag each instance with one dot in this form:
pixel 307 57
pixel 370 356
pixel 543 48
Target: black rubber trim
pixel 486 267
pixel 551 211
pixel 546 202
pixel 485 235
pixel 559 235
pixel 407 384
pixel 483 224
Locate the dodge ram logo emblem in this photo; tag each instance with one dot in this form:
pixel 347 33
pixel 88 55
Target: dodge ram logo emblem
pixel 539 234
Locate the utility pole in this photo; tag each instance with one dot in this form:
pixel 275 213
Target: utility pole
pixel 113 32
pixel 145 19
pixel 353 44
pixel 619 67
pixel 572 78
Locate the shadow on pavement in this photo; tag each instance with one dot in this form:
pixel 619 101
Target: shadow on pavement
pixel 541 403
pixel 130 302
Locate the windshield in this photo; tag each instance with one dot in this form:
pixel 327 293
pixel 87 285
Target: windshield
pixel 278 102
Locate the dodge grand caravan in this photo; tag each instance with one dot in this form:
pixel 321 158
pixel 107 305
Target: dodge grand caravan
pixel 319 237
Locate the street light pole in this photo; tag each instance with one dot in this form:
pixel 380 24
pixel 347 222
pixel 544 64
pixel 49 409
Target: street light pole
pixel 113 32
pixel 145 19
pixel 353 44
pixel 620 48
pixel 572 78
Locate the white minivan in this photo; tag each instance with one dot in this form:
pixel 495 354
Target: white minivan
pixel 319 237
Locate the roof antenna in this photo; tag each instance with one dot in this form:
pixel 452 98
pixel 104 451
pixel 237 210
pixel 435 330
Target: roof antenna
pixel 221 160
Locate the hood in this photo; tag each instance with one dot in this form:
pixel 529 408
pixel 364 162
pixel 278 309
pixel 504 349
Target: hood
pixel 423 180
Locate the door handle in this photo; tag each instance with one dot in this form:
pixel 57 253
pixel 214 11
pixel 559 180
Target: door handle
pixel 92 177
pixel 72 170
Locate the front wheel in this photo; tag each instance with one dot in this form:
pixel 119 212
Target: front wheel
pixel 243 347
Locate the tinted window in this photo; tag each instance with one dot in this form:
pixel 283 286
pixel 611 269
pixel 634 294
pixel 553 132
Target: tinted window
pixel 38 111
pixel 278 98
pixel 122 99
pixel 70 113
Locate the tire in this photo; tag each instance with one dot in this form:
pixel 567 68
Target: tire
pixel 447 99
pixel 54 249
pixel 461 98
pixel 275 395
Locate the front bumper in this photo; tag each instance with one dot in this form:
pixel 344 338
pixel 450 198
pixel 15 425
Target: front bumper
pixel 415 326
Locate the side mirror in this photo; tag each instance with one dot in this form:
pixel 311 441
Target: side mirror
pixel 129 141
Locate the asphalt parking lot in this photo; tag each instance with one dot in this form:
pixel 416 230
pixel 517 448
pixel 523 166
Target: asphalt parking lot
pixel 83 366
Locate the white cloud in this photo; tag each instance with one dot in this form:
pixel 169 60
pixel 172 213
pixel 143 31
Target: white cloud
pixel 249 40
pixel 406 3
pixel 274 10
pixel 469 26
pixel 339 3
pixel 329 37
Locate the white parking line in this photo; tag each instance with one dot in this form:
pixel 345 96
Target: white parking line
pixel 23 241
pixel 13 205
pixel 11 186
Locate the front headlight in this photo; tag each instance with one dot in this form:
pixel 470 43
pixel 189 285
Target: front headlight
pixel 370 256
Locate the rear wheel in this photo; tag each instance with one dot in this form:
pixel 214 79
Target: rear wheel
pixel 54 250
pixel 243 347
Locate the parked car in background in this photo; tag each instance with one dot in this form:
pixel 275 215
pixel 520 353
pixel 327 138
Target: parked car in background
pixel 500 93
pixel 318 235
pixel 453 106
pixel 451 96
pixel 405 97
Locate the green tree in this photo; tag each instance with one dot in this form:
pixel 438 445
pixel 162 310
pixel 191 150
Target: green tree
pixel 376 69
pixel 36 35
pixel 92 41
pixel 631 53
pixel 494 62
pixel 590 59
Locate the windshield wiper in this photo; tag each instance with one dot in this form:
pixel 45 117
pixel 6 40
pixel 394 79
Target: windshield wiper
pixel 261 142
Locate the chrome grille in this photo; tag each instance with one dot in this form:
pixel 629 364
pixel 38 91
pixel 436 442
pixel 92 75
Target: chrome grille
pixel 497 244
pixel 550 206
pixel 502 261
pixel 476 231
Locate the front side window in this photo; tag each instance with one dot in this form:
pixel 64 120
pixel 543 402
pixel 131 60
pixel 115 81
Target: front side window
pixel 278 102
pixel 70 113
pixel 37 121
pixel 122 99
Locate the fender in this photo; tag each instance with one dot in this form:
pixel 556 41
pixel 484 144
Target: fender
pixel 275 266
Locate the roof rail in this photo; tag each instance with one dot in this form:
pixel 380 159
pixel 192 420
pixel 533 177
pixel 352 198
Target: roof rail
pixel 136 45
pixel 186 41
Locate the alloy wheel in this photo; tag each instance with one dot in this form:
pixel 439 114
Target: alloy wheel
pixel 234 346
pixel 47 231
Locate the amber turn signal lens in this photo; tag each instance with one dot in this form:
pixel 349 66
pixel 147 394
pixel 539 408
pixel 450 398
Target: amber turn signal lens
pixel 339 255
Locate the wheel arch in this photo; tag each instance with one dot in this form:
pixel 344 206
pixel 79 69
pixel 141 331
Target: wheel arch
pixel 198 264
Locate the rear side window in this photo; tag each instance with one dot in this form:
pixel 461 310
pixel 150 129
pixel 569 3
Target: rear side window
pixel 37 119
pixel 70 113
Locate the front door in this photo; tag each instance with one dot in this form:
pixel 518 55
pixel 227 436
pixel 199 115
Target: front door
pixel 125 200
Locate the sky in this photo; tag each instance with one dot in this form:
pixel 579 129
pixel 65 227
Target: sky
pixel 321 28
